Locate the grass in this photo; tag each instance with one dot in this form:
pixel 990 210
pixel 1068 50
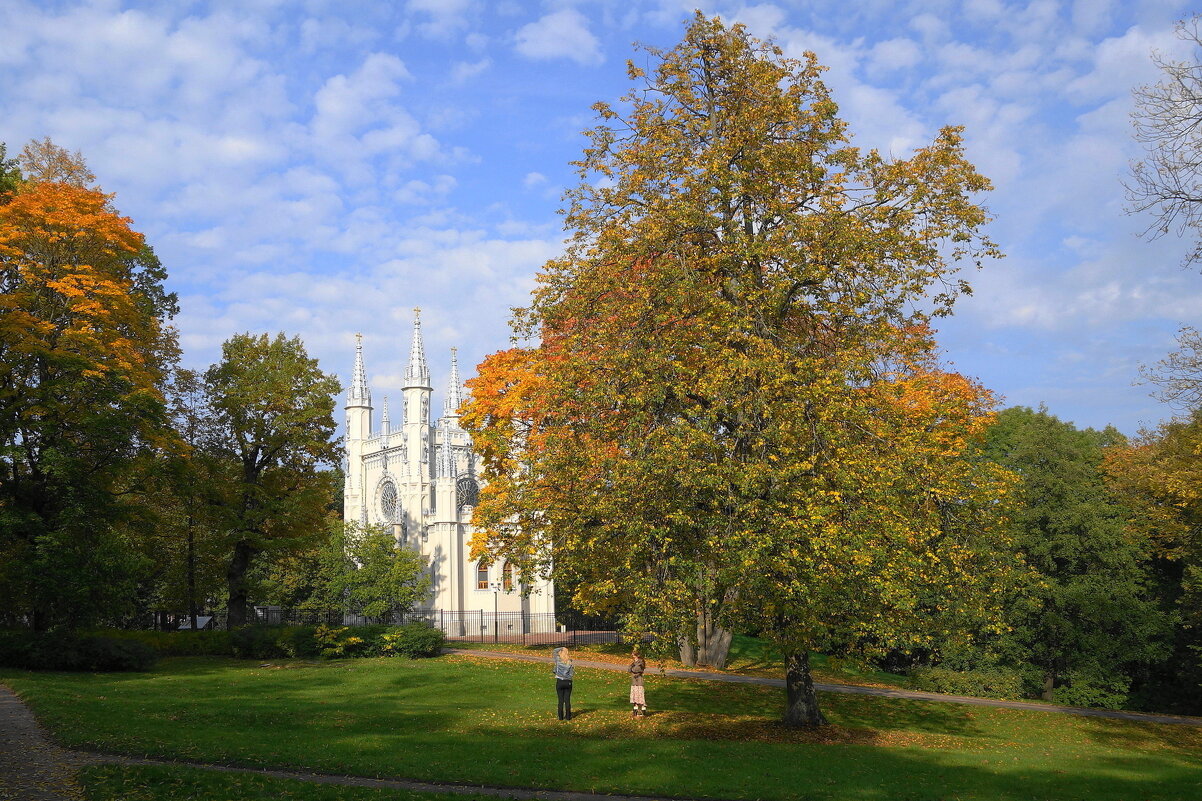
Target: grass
pixel 154 783
pixel 749 656
pixel 465 719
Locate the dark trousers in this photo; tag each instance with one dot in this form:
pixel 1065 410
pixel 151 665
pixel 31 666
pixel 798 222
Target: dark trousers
pixel 563 690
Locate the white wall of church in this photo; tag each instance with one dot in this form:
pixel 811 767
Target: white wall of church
pixel 418 478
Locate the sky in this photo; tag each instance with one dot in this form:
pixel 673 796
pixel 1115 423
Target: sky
pixel 323 168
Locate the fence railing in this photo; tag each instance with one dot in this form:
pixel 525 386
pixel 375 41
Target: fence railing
pixel 473 625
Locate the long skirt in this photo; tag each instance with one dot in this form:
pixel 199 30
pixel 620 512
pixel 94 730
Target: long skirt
pixel 637 696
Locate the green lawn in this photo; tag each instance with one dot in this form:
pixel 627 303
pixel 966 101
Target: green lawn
pixel 146 783
pixel 749 656
pixel 492 722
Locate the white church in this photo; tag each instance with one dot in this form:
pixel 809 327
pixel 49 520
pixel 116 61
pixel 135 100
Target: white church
pixel 418 478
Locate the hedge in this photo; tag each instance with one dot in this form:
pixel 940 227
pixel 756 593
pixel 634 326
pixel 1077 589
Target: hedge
pixel 73 651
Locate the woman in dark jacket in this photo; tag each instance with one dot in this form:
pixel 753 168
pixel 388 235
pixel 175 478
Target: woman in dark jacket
pixel 637 697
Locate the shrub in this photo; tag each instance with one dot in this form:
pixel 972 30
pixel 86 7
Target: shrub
pixel 73 651
pixel 299 641
pixel 257 642
pixel 981 683
pixel 413 640
pixel 178 643
pixel 1084 689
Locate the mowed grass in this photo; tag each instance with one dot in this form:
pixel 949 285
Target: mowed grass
pixel 749 656
pixel 472 720
pixel 179 783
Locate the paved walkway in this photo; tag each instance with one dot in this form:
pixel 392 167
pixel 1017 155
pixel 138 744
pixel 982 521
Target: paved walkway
pixel 883 692
pixel 32 768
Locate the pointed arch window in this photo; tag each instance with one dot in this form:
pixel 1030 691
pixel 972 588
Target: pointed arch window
pixel 507 577
pixel 482 575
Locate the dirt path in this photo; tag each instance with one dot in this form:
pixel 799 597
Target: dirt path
pixel 31 767
pixel 883 692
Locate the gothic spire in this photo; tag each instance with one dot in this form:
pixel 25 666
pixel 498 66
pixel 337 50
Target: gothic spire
pixel 417 374
pixel 358 394
pixel 454 399
pixel 384 425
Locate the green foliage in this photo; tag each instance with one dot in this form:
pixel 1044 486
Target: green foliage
pixel 272 427
pixel 356 569
pixel 747 293
pixel 1089 606
pixel 1104 691
pixel 995 682
pixel 10 175
pixel 66 650
pixel 258 642
pixel 414 640
pixel 85 352
pixel 177 643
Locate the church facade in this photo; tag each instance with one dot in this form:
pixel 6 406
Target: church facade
pixel 418 479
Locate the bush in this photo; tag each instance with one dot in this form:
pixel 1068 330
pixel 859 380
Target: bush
pixel 299 641
pixel 178 643
pixel 73 651
pixel 1103 692
pixel 980 683
pixel 413 640
pixel 258 642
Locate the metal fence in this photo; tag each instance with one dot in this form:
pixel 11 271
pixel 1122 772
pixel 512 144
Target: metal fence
pixel 474 625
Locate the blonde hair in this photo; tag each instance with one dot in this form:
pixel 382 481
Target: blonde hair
pixel 559 655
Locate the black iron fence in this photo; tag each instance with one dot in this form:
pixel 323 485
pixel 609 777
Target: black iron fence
pixel 474 625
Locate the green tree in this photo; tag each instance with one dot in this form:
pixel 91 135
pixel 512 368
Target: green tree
pixel 273 425
pixel 1089 613
pixel 86 352
pixel 734 417
pixel 356 569
pixel 10 175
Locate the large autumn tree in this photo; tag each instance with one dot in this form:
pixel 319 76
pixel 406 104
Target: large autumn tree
pixel 734 416
pixel 272 426
pixel 84 354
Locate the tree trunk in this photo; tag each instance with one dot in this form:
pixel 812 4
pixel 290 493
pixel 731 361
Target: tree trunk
pixel 191 575
pixel 801 702
pixel 1049 684
pixel 713 642
pixel 688 652
pixel 236 578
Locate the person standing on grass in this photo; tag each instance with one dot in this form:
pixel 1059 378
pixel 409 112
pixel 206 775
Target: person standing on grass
pixel 638 699
pixel 563 682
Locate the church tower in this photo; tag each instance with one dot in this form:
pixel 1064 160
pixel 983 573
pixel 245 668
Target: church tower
pixel 415 432
pixel 358 431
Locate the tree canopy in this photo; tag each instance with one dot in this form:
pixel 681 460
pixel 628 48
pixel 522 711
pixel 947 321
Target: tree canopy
pixel 273 426
pixel 86 353
pixel 734 414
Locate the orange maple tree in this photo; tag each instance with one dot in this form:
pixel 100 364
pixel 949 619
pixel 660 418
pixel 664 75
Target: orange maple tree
pixel 85 352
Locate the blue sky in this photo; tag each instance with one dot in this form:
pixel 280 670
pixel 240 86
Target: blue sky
pixel 321 168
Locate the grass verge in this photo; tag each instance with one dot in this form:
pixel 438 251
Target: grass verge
pixel 154 783
pixel 465 719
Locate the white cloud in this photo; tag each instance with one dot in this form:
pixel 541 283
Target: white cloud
pixel 561 34
pixel 464 71
pixel 442 18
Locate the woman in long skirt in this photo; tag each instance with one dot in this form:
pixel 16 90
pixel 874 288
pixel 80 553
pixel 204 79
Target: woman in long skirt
pixel 638 699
